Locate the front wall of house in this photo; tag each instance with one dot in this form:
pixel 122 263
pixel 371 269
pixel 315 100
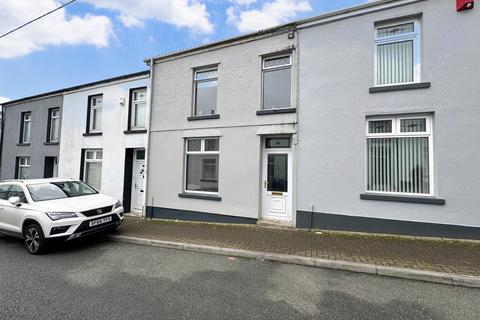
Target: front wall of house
pixel 336 73
pixel 37 150
pixel 113 141
pixel 238 100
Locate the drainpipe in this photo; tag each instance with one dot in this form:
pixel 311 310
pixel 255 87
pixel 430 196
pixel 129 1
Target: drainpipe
pixel 2 109
pixel 147 151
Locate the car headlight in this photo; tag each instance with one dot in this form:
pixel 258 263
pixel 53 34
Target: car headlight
pixel 61 215
pixel 117 204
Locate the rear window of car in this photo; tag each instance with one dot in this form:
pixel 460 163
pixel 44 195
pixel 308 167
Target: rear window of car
pixel 59 190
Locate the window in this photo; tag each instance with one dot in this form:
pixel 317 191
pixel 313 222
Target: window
pixel 17 191
pixel 399 155
pixel 397 53
pixel 95 113
pixel 205 87
pixel 4 188
pixel 277 82
pixel 23 168
pixel 202 165
pixel 93 168
pixel 25 126
pixel 277 143
pixel 53 125
pixel 138 106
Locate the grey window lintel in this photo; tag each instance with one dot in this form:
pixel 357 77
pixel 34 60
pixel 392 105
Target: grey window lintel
pixel 410 199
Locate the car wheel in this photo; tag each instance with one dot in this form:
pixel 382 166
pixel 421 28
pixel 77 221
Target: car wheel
pixel 34 239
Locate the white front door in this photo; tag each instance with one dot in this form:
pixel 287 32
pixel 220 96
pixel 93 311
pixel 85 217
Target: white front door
pixel 277 179
pixel 138 180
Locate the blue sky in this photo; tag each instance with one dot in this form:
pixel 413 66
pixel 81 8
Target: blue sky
pixel 96 39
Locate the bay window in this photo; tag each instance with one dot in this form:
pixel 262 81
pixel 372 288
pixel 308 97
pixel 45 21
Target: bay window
pixel 202 156
pixel 397 56
pixel 399 155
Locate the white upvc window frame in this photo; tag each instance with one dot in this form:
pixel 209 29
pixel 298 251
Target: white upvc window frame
pixel 97 157
pixel 414 36
pixel 25 121
pixel 26 164
pixel 133 108
pixel 265 69
pixel 202 152
pixel 197 81
pixel 91 112
pixel 396 133
pixel 51 120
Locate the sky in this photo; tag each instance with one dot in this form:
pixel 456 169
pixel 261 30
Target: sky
pixel 90 40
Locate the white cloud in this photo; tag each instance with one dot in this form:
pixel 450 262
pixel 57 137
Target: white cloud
pixel 59 28
pixel 190 14
pixel 243 2
pixel 4 99
pixel 270 14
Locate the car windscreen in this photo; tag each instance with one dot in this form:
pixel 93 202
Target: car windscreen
pixel 59 190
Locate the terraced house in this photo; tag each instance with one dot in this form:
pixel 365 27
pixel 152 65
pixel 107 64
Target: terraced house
pixel 353 120
pixel 30 136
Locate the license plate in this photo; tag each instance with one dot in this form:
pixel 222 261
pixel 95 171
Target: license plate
pixel 94 223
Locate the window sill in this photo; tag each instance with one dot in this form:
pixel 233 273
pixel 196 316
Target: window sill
pixel 276 111
pixel 21 144
pixel 411 199
pixel 50 143
pixel 199 196
pixel 206 117
pixel 400 87
pixel 135 131
pixel 91 134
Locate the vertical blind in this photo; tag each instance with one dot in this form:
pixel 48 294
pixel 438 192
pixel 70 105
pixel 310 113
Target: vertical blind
pixel 398 165
pixel 395 62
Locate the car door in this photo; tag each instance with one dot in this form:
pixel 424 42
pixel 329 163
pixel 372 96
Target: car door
pixel 4 204
pixel 12 216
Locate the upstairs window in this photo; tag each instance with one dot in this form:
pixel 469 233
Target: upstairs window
pixel 397 53
pixel 25 127
pixel 277 82
pixel 202 165
pixel 53 125
pixel 23 168
pixel 138 108
pixel 95 106
pixel 205 87
pixel 399 155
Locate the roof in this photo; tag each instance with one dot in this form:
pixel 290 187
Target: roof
pixel 64 90
pixel 279 28
pixel 37 181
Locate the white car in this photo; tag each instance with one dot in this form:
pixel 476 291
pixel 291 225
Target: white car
pixel 54 209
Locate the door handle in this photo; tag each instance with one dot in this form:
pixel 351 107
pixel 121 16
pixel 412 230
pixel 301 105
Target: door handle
pixel 265 184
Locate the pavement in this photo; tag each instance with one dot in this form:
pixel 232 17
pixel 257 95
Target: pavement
pixel 100 279
pixel 444 261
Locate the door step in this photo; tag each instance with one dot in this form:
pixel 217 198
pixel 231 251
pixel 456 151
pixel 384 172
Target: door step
pixel 276 224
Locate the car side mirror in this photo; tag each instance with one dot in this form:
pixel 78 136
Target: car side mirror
pixel 15 201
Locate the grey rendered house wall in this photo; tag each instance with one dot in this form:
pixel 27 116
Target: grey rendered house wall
pixel 37 150
pixel 238 100
pixel 337 70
